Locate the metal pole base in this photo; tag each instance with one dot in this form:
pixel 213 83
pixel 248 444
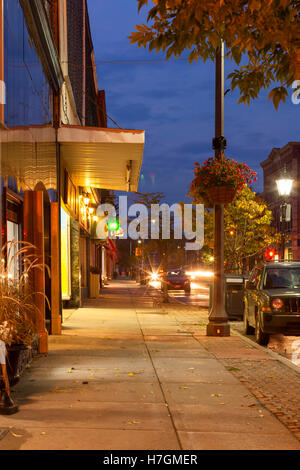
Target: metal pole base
pixel 218 329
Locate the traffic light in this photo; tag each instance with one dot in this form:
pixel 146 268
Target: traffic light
pixel 138 252
pixel 113 224
pixel 270 254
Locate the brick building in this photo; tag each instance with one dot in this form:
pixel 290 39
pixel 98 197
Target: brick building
pixel 289 157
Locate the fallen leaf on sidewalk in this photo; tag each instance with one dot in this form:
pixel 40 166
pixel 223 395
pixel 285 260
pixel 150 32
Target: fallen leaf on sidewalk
pixel 232 368
pixel 16 435
pixel 270 377
pixel 184 387
pixel 133 422
pixel 216 395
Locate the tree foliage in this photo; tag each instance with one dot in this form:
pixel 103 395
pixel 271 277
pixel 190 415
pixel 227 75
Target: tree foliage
pixel 264 32
pixel 248 230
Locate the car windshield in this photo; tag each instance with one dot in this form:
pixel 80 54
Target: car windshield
pixel 176 272
pixel 278 278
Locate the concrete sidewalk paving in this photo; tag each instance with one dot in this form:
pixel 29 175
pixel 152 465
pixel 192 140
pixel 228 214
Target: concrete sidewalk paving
pixel 130 374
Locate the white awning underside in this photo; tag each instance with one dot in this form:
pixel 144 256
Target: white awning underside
pixel 94 157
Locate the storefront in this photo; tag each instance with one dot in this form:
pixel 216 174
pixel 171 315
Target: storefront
pixel 53 164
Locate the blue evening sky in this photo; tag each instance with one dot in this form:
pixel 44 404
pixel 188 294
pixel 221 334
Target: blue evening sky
pixel 174 103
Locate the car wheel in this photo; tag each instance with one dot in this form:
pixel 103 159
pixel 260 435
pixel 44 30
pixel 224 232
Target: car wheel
pixel 248 329
pixel 260 337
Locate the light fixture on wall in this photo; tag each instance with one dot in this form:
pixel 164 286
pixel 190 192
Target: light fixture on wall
pixel 86 199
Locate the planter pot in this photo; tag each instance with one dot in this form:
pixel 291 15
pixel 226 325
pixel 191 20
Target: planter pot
pixel 94 285
pixel 17 356
pixel 221 194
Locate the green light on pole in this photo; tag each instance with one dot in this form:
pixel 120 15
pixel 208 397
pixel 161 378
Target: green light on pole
pixel 113 225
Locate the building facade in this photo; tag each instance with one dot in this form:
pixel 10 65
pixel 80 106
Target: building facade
pixel 287 157
pixel 57 153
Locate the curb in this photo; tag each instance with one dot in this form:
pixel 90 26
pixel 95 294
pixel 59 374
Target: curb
pixel 273 354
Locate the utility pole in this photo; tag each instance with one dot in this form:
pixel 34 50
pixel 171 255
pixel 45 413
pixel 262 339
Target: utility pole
pixel 218 319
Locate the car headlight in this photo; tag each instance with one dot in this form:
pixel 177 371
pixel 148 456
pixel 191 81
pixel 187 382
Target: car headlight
pixel 154 277
pixel 277 304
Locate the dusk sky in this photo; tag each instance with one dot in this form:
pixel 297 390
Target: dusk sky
pixel 174 103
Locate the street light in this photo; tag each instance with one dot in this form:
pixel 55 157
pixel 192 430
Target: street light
pixel 284 187
pixel 218 324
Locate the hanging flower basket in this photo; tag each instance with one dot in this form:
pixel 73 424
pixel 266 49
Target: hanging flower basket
pixel 221 194
pixel 219 179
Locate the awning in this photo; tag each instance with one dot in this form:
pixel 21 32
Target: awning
pixel 95 157
pixel 112 249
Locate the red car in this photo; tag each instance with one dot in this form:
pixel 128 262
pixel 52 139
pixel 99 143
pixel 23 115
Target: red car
pixel 177 279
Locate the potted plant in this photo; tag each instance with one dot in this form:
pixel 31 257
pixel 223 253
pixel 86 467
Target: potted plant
pixel 17 310
pixel 94 282
pixel 217 180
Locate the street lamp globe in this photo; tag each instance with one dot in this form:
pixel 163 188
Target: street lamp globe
pixel 284 184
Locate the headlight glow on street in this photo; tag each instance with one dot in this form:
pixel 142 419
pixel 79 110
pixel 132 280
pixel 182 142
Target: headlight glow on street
pixel 201 273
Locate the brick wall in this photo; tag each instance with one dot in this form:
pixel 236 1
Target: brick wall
pixel 288 156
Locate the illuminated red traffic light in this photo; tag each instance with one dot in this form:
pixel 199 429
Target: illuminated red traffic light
pixel 270 254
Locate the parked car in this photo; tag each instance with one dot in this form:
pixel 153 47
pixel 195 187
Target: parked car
pixel 177 279
pixel 272 301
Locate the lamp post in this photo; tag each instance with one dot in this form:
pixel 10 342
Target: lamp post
pixel 284 187
pixel 218 324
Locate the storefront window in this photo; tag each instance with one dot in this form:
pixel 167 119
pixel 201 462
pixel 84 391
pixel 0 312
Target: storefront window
pixel 65 256
pixel 27 89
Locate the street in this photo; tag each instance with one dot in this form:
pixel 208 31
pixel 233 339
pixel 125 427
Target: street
pixel 199 295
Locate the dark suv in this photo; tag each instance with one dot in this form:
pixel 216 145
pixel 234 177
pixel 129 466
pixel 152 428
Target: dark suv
pixel 272 301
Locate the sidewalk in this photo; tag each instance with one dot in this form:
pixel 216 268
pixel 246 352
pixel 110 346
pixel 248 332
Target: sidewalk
pixel 128 373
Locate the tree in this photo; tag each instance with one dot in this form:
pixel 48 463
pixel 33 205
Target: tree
pixel 248 231
pixel 264 33
pixel 165 247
